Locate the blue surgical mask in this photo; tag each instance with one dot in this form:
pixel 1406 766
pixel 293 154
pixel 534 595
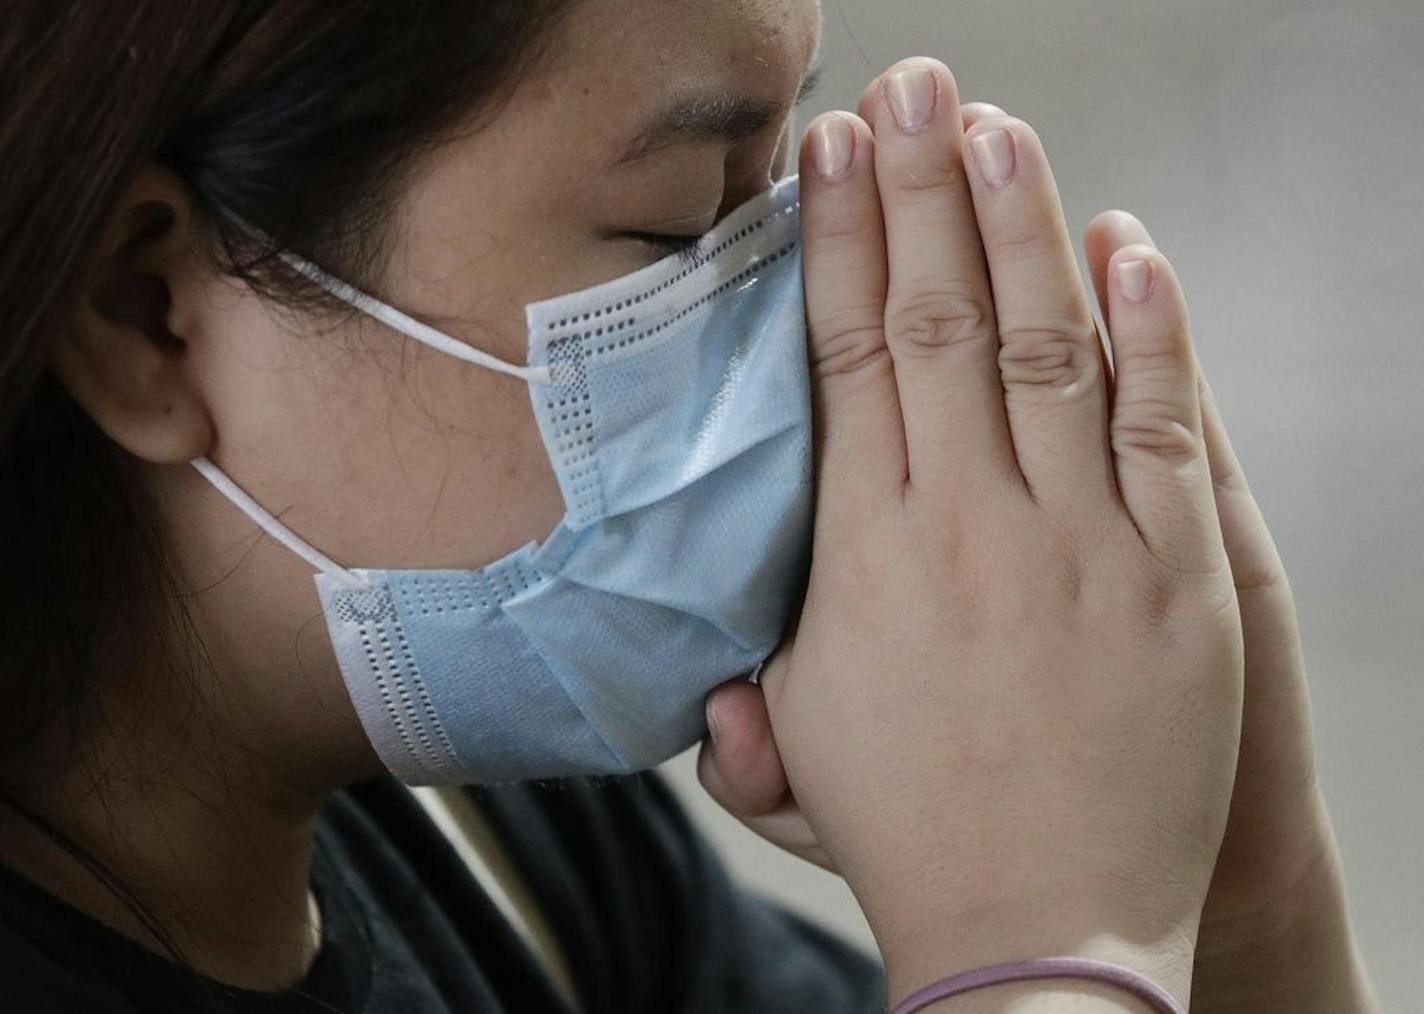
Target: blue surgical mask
pixel 674 404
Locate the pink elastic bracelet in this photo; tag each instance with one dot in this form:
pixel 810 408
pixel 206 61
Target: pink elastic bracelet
pixel 1042 968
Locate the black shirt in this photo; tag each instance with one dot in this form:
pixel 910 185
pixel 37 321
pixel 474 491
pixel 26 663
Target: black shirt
pixel 644 912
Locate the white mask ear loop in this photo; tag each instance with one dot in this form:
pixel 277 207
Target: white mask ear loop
pixel 269 524
pixel 402 322
pixel 408 325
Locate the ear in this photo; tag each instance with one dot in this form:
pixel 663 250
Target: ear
pixel 123 358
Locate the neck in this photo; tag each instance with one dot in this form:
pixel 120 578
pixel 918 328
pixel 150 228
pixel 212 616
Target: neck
pixel 209 839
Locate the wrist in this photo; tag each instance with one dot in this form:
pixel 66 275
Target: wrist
pixel 1062 996
pixel 1295 953
pixel 925 950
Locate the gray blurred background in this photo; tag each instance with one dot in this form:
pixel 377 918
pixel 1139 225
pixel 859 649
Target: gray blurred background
pixel 1275 149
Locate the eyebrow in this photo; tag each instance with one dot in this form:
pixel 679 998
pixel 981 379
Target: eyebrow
pixel 724 118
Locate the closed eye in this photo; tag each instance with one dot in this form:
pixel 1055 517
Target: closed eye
pixel 667 245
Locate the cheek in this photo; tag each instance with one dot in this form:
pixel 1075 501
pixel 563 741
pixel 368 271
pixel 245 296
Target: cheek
pixel 490 487
pixel 383 453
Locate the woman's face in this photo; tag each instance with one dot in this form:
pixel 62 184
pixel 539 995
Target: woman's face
pixel 645 116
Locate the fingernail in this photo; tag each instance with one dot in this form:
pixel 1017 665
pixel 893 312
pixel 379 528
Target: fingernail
pixel 994 151
pixel 913 93
pixel 711 709
pixel 833 146
pixel 1135 280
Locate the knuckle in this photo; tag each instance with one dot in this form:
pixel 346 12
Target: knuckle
pixel 1158 594
pixel 1061 356
pixel 934 321
pixel 1165 594
pixel 1158 356
pixel 941 179
pixel 1267 576
pixel 1027 241
pixel 1039 575
pixel 1157 428
pixel 1145 591
pixel 847 341
pixel 1229 480
pixel 1060 569
pixel 828 228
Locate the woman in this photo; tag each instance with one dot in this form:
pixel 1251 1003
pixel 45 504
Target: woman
pixel 1010 712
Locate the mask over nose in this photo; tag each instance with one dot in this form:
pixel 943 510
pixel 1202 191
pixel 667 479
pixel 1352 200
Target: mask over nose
pixel 674 405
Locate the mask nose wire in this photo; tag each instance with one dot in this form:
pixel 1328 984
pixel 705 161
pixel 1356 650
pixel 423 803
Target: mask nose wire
pixel 269 524
pixel 408 325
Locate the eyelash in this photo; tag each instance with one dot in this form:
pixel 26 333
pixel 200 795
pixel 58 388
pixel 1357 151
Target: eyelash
pixel 684 246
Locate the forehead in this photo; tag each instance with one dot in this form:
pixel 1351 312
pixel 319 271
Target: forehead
pixel 646 52
pixel 538 167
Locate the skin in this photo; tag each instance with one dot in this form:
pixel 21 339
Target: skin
pixel 1273 933
pixel 375 449
pixel 382 453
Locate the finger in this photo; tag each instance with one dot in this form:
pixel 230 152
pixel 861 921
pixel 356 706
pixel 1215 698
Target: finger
pixel 740 768
pixel 1255 563
pixel 1276 707
pixel 739 765
pixel 972 112
pixel 1108 232
pixel 1157 438
pixel 939 313
pixel 1049 358
pixel 861 441
pixel 787 828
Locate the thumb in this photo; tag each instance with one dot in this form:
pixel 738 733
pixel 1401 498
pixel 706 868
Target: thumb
pixel 739 765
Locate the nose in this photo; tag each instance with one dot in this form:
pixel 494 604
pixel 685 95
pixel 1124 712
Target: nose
pixel 754 166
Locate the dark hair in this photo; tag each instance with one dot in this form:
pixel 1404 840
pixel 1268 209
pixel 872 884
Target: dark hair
pixel 300 117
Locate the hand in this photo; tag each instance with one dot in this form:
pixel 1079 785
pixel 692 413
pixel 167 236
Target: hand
pixel 1274 933
pixel 742 769
pixel 1278 866
pixel 1278 859
pixel 1278 837
pixel 1013 700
